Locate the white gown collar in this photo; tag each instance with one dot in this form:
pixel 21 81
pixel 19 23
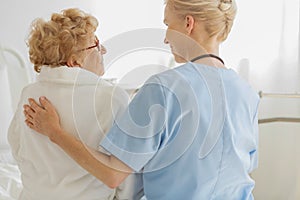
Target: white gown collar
pixel 67 75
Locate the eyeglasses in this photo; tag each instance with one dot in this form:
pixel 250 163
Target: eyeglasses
pixel 97 44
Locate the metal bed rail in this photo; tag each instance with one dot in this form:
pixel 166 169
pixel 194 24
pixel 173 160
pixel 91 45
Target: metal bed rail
pixel 279 119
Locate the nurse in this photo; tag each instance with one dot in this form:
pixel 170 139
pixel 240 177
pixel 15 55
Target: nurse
pixel 191 131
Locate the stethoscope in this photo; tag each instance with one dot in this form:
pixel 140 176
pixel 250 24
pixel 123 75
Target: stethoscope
pixel 208 55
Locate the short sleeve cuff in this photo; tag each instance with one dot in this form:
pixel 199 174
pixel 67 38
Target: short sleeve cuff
pixel 135 161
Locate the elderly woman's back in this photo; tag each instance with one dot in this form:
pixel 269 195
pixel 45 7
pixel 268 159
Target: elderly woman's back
pixel 87 105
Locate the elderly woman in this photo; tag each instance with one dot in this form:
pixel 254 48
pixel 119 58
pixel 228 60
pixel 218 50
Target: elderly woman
pixel 68 57
pixel 191 131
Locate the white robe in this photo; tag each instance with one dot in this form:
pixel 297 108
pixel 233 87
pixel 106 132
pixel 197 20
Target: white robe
pixel 87 106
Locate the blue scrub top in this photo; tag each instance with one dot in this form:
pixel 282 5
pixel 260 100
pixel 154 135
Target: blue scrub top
pixel 193 133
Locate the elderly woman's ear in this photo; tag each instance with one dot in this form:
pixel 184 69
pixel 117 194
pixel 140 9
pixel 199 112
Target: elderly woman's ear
pixel 73 61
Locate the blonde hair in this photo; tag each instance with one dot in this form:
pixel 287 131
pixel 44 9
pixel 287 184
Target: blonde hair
pixel 217 14
pixel 53 42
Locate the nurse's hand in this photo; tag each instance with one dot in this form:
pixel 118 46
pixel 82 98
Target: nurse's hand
pixel 43 119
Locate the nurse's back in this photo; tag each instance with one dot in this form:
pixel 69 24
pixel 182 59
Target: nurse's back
pixel 211 147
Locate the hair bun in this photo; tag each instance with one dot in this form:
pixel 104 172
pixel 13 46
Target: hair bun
pixel 225 5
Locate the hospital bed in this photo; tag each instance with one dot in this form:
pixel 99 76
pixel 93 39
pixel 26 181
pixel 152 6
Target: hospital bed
pixel 278 174
pixel 13 77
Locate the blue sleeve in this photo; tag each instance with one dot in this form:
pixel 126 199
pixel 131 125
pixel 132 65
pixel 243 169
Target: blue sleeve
pixel 136 135
pixel 254 153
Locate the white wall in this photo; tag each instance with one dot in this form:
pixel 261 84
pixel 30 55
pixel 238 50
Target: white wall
pixel 266 33
pixel 114 16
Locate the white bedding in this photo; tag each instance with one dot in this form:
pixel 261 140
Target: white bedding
pixel 11 63
pixel 10 181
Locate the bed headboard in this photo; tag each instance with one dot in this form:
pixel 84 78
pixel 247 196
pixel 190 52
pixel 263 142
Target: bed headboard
pixel 14 75
pixel 18 76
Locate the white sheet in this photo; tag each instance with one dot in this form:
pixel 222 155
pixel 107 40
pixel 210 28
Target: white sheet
pixel 10 182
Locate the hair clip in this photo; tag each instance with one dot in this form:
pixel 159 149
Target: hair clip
pixel 226 1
